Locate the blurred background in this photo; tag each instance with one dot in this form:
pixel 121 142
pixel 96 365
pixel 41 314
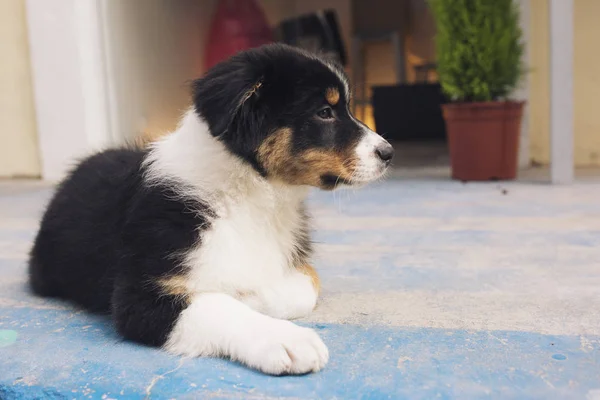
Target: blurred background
pixel 431 288
pixel 80 75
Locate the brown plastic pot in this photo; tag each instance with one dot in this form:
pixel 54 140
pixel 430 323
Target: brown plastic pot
pixel 483 139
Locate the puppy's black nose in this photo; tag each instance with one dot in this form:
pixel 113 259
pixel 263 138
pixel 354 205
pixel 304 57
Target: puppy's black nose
pixel 385 152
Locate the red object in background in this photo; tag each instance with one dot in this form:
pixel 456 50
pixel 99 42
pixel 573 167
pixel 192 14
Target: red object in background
pixel 237 25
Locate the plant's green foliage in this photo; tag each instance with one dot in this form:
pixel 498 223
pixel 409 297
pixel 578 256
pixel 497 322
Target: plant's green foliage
pixel 479 48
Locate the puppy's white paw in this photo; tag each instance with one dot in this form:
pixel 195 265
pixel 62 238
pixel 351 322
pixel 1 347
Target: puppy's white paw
pixel 281 347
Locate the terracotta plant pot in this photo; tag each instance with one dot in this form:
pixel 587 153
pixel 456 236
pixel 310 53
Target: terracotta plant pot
pixel 483 139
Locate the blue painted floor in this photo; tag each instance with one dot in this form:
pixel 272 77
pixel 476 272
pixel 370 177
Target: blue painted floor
pixel 432 289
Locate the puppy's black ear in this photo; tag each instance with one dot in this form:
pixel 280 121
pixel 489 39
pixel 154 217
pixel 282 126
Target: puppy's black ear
pixel 228 97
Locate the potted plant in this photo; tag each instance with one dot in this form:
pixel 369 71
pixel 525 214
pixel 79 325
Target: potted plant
pixel 479 52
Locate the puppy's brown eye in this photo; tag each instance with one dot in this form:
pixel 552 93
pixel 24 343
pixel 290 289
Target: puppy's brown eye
pixel 325 113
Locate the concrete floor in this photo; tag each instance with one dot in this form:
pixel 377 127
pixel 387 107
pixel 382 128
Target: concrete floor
pixel 432 289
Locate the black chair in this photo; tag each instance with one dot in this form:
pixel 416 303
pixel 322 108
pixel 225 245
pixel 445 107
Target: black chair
pixel 316 32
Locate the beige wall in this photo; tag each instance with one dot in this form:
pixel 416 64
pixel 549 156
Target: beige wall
pixel 18 141
pixel 539 78
pixel 586 83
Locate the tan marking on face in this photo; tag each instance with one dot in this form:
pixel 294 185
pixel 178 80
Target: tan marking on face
pixel 332 95
pixel 309 271
pixel 305 168
pixel 175 285
pixel 274 152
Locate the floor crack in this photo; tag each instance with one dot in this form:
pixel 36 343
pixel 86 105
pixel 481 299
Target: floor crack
pixel 161 376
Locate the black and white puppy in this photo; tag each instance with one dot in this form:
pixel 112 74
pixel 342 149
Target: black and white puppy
pixel 200 244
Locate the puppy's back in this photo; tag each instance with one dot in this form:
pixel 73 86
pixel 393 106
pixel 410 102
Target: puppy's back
pixel 77 249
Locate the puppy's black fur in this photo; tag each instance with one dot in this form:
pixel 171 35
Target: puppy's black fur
pixel 105 239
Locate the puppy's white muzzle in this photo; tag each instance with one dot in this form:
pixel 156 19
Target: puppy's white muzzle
pixel 374 155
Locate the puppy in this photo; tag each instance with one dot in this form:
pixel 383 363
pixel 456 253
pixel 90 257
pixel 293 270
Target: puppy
pixel 200 243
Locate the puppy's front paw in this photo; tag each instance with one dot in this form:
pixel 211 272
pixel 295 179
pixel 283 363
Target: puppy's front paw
pixel 282 347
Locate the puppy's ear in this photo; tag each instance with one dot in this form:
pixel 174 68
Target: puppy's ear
pixel 229 98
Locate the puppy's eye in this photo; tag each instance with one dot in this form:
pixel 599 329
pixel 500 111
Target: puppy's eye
pixel 325 113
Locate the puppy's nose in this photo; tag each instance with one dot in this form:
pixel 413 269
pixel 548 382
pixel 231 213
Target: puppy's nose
pixel 385 151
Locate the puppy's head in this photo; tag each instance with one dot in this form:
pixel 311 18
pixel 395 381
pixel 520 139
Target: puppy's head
pixel 286 113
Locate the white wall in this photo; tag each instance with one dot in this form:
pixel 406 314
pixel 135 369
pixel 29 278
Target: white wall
pixel 18 138
pixel 106 70
pixel 154 48
pixel 69 82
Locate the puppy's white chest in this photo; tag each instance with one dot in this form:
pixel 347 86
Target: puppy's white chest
pixel 249 247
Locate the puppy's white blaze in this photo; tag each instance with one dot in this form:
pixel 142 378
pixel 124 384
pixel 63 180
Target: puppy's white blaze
pixel 216 324
pixel 369 166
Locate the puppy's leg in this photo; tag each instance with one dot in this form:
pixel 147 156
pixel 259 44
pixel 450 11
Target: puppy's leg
pixel 216 324
pixel 309 270
pixel 144 313
pixel 292 297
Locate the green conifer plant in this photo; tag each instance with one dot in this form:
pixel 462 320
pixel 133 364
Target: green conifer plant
pixel 479 48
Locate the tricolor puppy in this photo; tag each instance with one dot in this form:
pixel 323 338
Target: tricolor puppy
pixel 200 244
